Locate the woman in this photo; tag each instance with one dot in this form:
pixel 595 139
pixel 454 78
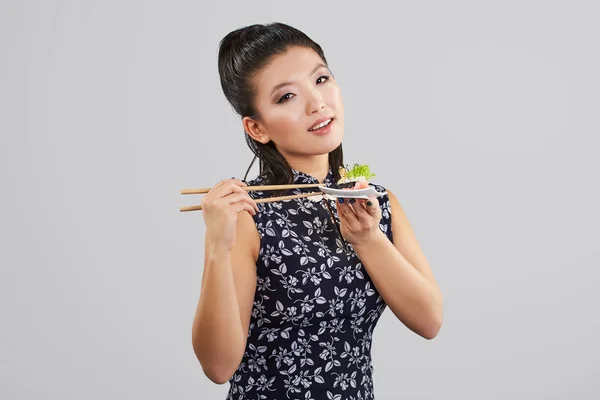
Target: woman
pixel 290 296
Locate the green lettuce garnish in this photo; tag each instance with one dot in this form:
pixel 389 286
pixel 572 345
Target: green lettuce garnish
pixel 358 171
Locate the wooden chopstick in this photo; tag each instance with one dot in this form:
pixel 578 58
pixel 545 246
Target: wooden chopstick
pixel 256 188
pixel 265 200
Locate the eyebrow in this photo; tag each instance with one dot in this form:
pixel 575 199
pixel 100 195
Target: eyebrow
pixel 280 85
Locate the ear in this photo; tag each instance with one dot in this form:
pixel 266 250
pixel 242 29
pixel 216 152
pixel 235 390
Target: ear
pixel 255 130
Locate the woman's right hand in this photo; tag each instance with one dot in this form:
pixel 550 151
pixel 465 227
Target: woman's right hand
pixel 220 208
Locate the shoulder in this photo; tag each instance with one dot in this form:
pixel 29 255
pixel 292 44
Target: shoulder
pixel 385 223
pixel 394 203
pixel 389 201
pixel 384 200
pixel 378 187
pixel 400 224
pixel 264 209
pixel 257 181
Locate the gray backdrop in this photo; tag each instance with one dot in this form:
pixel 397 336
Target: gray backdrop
pixel 482 117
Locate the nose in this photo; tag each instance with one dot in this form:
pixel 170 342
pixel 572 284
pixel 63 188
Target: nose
pixel 315 102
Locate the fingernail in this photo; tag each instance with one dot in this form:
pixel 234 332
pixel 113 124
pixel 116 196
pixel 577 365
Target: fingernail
pixel 341 200
pixel 352 201
pixel 369 203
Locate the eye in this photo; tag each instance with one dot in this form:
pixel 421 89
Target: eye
pixel 324 77
pixel 284 98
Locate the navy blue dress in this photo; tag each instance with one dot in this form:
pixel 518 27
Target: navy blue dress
pixel 315 306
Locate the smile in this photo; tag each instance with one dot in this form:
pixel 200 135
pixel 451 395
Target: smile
pixel 321 125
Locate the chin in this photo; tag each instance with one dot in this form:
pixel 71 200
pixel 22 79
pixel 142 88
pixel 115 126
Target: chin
pixel 324 144
pixel 335 144
pixel 331 145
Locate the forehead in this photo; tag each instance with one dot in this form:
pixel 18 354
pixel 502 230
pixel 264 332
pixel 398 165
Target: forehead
pixel 294 64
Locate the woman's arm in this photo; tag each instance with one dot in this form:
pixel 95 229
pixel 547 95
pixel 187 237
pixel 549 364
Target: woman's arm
pixel 222 318
pixel 402 275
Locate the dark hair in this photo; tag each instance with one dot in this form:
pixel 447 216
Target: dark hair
pixel 242 53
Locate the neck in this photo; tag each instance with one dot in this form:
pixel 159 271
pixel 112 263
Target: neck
pixel 316 166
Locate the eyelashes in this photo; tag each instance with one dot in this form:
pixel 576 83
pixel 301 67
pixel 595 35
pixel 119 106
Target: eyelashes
pixel 286 97
pixel 323 76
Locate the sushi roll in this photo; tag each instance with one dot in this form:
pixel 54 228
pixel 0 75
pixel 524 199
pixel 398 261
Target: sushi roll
pixel 356 177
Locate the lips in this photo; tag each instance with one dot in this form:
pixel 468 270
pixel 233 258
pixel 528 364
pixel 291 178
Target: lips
pixel 319 121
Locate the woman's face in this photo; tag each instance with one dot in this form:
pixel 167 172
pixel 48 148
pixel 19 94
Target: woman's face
pixel 293 93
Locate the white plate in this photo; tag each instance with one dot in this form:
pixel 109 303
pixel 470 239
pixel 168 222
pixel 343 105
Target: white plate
pixel 365 193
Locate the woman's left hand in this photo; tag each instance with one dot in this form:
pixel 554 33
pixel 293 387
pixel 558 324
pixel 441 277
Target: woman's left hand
pixel 359 219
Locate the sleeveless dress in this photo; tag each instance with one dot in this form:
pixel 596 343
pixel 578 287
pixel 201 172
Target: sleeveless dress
pixel 315 306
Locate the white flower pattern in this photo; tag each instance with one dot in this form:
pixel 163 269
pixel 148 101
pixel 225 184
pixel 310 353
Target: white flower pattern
pixel 315 306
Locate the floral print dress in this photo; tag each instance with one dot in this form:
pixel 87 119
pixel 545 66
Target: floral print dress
pixel 315 306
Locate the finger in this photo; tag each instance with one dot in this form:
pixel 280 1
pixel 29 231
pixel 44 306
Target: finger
pixel 242 206
pixel 224 195
pixel 236 208
pixel 237 202
pixel 360 210
pixel 245 196
pixel 372 206
pixel 236 197
pixel 224 182
pixel 220 191
pixel 341 215
pixel 353 205
pixel 226 187
pixel 249 200
pixel 344 206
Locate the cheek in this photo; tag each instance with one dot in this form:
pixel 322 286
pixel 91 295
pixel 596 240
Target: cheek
pixel 281 123
pixel 334 96
pixel 285 119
